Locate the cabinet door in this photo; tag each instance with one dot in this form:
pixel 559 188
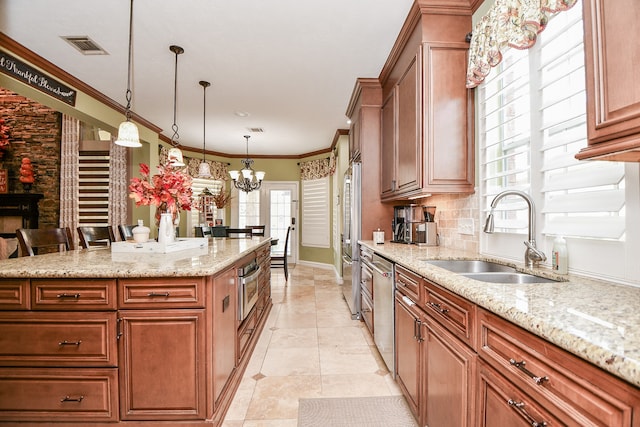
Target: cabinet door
pixel 225 303
pixel 408 345
pixel 409 150
pixel 448 120
pixel 450 378
pixel 354 136
pixel 387 152
pixel 612 60
pixel 162 369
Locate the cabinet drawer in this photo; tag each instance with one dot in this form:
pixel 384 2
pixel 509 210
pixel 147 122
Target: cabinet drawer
pixel 58 339
pixel 178 292
pixel 408 282
pixel 78 395
pixel 72 294
pixel 552 374
pixel 367 310
pixel 245 333
pixel 14 294
pixel 454 313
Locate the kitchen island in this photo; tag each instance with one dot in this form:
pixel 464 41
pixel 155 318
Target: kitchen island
pixel 564 352
pixel 98 337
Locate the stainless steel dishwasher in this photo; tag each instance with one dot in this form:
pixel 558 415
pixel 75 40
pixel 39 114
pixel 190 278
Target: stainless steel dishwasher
pixel 383 309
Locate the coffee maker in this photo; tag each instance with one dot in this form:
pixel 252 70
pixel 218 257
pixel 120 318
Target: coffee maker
pixel 414 224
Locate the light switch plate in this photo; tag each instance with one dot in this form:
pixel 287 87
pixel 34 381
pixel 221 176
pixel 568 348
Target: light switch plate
pixel 465 226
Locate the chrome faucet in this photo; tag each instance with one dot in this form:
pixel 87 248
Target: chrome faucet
pixel 532 255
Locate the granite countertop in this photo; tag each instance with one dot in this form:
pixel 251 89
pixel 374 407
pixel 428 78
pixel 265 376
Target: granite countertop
pixel 596 320
pixel 100 262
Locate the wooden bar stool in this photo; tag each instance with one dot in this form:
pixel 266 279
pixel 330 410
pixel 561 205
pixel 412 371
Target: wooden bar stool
pixel 48 239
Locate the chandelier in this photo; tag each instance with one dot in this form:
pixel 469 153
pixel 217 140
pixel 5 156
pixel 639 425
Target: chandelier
pixel 175 155
pixel 127 131
pixel 250 180
pixel 204 170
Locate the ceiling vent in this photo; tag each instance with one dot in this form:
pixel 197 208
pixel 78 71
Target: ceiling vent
pixel 257 130
pixel 85 45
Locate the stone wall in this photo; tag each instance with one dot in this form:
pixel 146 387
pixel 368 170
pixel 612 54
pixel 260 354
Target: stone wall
pixel 35 132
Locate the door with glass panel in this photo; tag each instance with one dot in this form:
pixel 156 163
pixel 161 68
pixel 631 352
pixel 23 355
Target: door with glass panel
pixel 280 208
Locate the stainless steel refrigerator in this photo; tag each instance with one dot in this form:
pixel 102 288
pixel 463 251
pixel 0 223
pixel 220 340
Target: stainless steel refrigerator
pixel 352 232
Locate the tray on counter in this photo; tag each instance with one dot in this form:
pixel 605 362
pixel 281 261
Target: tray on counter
pixel 152 246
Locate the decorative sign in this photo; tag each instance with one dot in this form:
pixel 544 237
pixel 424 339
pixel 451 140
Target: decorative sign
pixel 4 184
pixel 25 73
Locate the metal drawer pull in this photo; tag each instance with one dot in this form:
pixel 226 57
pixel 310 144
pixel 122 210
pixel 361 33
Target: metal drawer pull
pixel 158 294
pixel 438 307
pixel 65 342
pixel 520 407
pixel 76 296
pixel 72 399
pixel 521 365
pixel 408 301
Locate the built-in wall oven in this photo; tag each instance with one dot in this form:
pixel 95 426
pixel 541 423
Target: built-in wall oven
pixel 247 288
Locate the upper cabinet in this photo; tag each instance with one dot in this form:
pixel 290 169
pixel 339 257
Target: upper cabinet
pixel 427 112
pixel 612 60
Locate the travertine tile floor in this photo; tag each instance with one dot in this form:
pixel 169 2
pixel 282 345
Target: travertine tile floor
pixel 309 347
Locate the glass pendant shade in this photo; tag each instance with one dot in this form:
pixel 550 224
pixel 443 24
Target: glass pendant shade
pixel 204 170
pixel 247 174
pixel 260 175
pixel 234 175
pixel 175 157
pixel 128 135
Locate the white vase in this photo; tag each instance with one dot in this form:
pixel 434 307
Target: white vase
pixel 166 232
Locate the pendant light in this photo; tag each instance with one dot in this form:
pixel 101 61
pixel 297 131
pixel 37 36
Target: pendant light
pixel 127 131
pixel 175 154
pixel 204 170
pixel 250 181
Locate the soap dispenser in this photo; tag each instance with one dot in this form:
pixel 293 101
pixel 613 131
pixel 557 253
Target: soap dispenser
pixel 559 255
pixel 140 232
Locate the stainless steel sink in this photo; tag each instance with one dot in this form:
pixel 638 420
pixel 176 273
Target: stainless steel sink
pixel 504 277
pixel 470 266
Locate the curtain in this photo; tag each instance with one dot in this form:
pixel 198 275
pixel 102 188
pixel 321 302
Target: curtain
pixel 118 185
pixel 319 168
pixel 219 170
pixel 509 23
pixel 69 169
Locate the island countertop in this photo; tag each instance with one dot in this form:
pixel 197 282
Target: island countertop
pixel 596 320
pixel 101 262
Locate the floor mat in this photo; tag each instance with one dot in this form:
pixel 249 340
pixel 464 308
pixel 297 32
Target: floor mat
pixel 385 411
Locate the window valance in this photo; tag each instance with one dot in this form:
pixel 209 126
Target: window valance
pixel 509 23
pixel 319 168
pixel 219 170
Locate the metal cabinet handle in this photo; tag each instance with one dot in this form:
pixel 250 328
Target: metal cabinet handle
pixel 408 301
pixel 72 399
pixel 521 366
pixel 65 295
pixel 65 342
pixel 519 406
pixel 158 294
pixel 438 307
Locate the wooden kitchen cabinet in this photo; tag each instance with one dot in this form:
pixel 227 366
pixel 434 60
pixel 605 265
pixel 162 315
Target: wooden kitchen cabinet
pixel 449 373
pixel 163 373
pixel 225 303
pixel 612 59
pixel 427 115
pixel 408 345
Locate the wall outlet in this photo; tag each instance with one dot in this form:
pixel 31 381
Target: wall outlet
pixel 465 226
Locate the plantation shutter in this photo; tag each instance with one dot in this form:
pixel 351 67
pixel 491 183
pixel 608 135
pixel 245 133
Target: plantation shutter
pixel 315 213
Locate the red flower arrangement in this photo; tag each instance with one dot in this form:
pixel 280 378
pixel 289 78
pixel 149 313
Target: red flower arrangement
pixel 168 190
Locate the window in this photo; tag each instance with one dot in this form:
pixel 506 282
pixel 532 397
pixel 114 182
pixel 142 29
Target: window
pixel 93 188
pixel 248 208
pixel 315 213
pixel 196 215
pixel 532 121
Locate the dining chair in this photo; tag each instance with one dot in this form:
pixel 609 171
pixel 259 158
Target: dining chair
pixel 96 236
pixel 280 261
pixel 239 232
pixel 126 232
pixel 48 239
pixel 257 230
pixel 203 231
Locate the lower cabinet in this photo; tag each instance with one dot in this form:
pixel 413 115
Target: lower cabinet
pixel 225 302
pixel 408 345
pixel 449 372
pixel 162 372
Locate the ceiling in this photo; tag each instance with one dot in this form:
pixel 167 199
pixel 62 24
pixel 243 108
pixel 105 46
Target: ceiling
pixel 290 64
